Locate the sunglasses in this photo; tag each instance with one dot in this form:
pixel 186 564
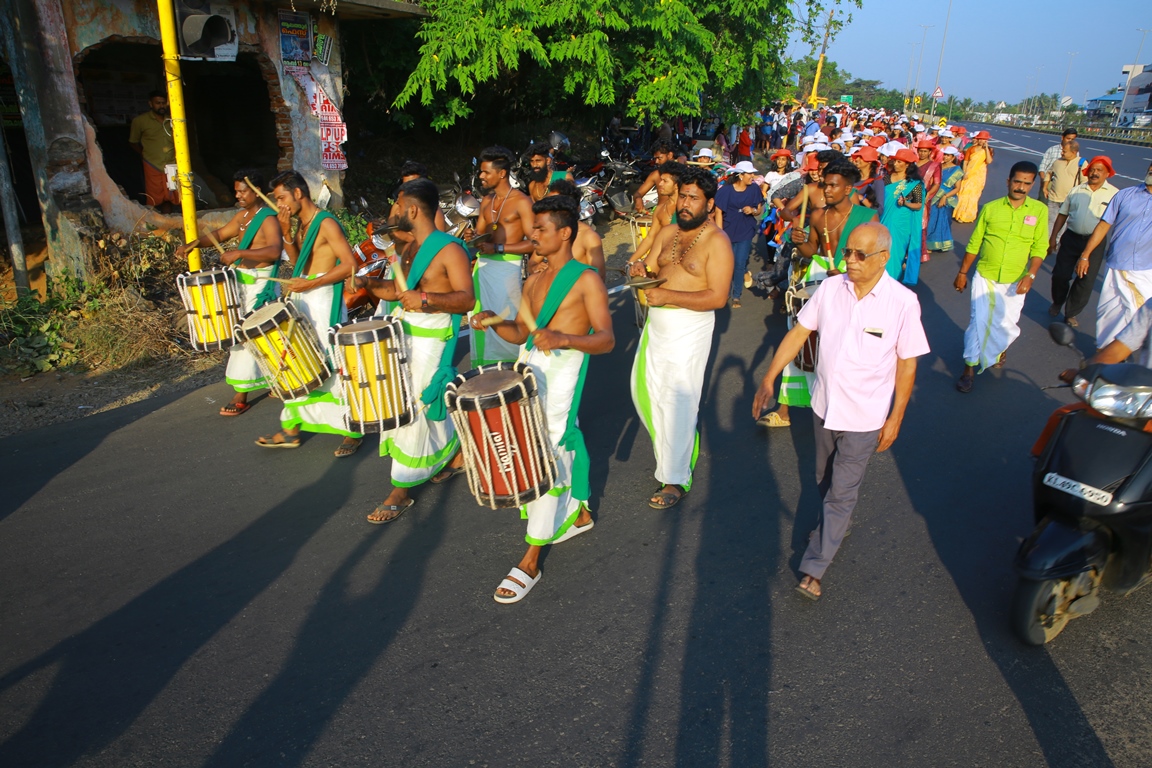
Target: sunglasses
pixel 852 253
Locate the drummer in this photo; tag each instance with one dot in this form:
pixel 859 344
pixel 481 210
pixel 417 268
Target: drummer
pixel 668 191
pixel 588 247
pixel 439 293
pixel 255 259
pixel 571 306
pixel 321 260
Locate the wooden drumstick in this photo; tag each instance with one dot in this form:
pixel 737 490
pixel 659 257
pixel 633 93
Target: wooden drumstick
pixel 267 200
pixel 398 274
pixel 215 242
pixel 488 322
pixel 529 319
pixel 804 207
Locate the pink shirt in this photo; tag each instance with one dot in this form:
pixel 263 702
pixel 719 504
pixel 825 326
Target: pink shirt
pixel 860 342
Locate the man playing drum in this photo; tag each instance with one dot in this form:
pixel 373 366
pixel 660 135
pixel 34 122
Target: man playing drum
pixel 506 214
pixel 439 293
pixel 321 260
pixel 571 304
pixel 694 258
pixel 588 247
pixel 668 188
pixel 254 260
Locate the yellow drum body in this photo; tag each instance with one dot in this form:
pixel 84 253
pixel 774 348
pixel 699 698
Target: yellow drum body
pixel 286 349
pixel 373 364
pixel 212 304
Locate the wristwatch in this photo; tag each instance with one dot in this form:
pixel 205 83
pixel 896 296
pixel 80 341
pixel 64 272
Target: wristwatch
pixel 500 248
pixel 423 300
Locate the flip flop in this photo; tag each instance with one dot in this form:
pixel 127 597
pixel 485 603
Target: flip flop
pixel 667 498
pixel 813 596
pixel 399 510
pixel 574 531
pixel 451 473
pixel 269 441
pixel 773 419
pixel 512 586
pixel 347 449
pixel 964 384
pixel 234 409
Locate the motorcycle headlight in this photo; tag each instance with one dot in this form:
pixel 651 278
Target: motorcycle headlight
pixel 1080 387
pixel 381 242
pixel 1121 402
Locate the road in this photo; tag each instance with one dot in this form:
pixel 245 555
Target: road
pixel 1130 161
pixel 171 595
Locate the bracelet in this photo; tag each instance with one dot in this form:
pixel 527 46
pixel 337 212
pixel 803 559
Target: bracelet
pixel 1030 276
pixel 423 300
pixel 1084 258
pixel 288 241
pixel 964 273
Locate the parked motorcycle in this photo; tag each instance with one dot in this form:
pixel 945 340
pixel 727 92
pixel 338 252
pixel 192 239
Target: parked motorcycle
pixel 1092 500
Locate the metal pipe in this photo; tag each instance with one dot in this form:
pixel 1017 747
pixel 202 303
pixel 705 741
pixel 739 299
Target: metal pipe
pixel 12 221
pixel 940 64
pixel 920 66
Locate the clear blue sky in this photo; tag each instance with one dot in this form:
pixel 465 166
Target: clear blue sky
pixel 994 46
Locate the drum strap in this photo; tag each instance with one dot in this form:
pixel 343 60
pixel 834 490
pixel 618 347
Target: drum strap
pixel 431 246
pixel 254 227
pixel 561 285
pixel 306 254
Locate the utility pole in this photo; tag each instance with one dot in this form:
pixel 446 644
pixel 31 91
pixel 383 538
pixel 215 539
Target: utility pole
pixel 812 98
pixel 12 221
pixel 908 85
pixel 1128 82
pixel 940 64
pixel 920 66
pixel 1063 88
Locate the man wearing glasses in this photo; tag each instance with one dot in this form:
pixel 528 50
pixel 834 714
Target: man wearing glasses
pixel 871 335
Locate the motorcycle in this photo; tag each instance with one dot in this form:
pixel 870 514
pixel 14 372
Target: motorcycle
pixel 372 259
pixel 1092 500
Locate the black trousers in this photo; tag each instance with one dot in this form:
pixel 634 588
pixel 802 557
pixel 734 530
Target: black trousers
pixel 1070 291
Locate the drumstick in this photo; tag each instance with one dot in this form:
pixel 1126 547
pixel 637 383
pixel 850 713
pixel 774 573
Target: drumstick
pixel 267 200
pixel 488 322
pixel 529 319
pixel 804 207
pixel 398 274
pixel 215 242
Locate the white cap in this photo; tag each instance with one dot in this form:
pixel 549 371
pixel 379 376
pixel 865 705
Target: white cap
pixel 807 140
pixel 818 147
pixel 848 136
pixel 868 132
pixel 945 134
pixel 839 142
pixel 950 150
pixel 890 148
pixel 744 166
pixel 919 127
pixel 705 152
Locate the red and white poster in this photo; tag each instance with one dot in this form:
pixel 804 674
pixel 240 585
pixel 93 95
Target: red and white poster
pixel 333 129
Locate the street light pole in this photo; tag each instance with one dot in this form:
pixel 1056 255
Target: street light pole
pixel 940 64
pixel 1063 88
pixel 908 84
pixel 1128 82
pixel 920 66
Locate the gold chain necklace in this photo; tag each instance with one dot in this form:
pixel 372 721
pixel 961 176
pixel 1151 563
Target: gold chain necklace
pixel 676 259
pixel 495 213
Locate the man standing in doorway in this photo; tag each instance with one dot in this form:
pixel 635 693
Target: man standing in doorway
pixel 1011 239
pixel 1081 211
pixel 738 205
pixel 151 137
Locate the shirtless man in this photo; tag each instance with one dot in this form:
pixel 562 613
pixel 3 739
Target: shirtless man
pixel 542 173
pixel 506 214
pixel 321 260
pixel 662 152
pixel 668 189
pixel 568 301
pixel 410 171
pixel 439 293
pixel 694 257
pixel 814 165
pixel 255 260
pixel 588 247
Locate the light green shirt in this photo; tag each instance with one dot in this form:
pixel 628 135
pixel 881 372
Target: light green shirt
pixel 155 138
pixel 1006 237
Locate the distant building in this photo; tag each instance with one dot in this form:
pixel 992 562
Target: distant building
pixel 1138 83
pixel 1104 106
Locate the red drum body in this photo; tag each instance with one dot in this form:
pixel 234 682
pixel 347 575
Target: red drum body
pixel 503 434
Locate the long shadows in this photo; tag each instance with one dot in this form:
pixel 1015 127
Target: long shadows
pixel 106 675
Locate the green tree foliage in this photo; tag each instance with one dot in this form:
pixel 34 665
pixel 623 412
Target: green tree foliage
pixel 653 57
pixel 834 82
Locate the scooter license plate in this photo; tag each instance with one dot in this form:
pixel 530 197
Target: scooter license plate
pixel 599 205
pixel 601 174
pixel 1070 486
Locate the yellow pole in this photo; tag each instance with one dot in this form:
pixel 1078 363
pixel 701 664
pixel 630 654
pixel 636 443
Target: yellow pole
pixel 171 57
pixel 814 98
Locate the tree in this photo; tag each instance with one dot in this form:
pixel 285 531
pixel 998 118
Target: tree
pixel 655 57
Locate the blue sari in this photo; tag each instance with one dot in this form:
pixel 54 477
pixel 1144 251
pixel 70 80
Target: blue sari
pixel 940 219
pixel 904 225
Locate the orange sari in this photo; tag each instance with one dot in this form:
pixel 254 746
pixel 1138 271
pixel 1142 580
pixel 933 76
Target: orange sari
pixel 975 176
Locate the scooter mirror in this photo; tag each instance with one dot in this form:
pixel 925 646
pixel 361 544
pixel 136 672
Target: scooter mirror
pixel 603 153
pixel 1062 334
pixel 456 176
pixel 363 203
pixel 474 162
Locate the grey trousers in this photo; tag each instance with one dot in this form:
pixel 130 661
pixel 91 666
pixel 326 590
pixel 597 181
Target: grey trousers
pixel 841 458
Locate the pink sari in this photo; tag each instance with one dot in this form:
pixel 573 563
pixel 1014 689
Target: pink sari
pixel 930 175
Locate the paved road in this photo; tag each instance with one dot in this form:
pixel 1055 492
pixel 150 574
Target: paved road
pixel 1131 162
pixel 171 595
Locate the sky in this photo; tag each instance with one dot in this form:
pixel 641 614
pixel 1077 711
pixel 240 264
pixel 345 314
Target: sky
pixel 986 56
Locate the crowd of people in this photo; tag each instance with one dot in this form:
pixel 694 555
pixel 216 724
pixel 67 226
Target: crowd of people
pixel 853 208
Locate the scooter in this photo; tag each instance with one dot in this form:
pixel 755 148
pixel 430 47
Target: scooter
pixel 1092 500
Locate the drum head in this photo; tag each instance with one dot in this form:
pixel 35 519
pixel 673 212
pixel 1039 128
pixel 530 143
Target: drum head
pixel 206 276
pixel 484 388
pixel 366 332
pixel 270 314
pixel 646 282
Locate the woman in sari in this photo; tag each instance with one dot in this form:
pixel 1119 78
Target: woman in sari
pixel 976 162
pixel 929 169
pixel 903 200
pixel 940 213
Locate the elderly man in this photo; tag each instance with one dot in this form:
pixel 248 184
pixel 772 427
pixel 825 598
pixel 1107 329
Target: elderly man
pixel 1081 212
pixel 739 203
pixel 871 336
pixel 1053 153
pixel 1127 222
pixel 1010 238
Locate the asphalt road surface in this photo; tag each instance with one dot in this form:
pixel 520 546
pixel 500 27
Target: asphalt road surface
pixel 172 595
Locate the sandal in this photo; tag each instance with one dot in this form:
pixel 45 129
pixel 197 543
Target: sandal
pixel 399 510
pixel 663 499
pixel 347 449
pixel 447 474
pixel 279 440
pixel 964 383
pixel 804 588
pixel 234 409
pixel 1001 360
pixel 773 419
pixel 519 590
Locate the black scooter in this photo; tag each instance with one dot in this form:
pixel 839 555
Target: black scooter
pixel 1092 500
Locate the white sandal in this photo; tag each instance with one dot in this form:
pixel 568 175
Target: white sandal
pixel 519 590
pixel 575 530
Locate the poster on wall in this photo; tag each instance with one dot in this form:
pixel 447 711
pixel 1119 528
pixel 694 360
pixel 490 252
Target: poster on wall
pixel 333 129
pixel 322 50
pixel 295 41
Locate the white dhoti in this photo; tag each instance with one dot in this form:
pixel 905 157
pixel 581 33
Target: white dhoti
pixel 560 380
pixel 243 372
pixel 994 322
pixel 1123 292
pixel 324 409
pixel 496 280
pixel 667 380
pixel 420 449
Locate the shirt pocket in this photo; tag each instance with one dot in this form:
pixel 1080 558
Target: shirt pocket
pixel 875 349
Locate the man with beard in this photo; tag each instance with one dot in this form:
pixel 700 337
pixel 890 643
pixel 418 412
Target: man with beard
pixel 571 308
pixel 321 260
pixel 255 260
pixel 151 137
pixel 439 293
pixel 505 214
pixel 694 258
pixel 662 152
pixel 664 214
pixel 542 173
pixel 410 171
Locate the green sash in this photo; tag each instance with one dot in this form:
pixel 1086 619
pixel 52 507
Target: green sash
pixel 557 175
pixel 268 292
pixel 306 253
pixel 857 216
pixel 433 394
pixel 573 438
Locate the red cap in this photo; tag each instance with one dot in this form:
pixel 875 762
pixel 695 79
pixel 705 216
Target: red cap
pixel 868 154
pixel 1105 161
pixel 907 155
pixel 877 141
pixel 781 153
pixel 810 162
pixel 982 135
pixel 925 145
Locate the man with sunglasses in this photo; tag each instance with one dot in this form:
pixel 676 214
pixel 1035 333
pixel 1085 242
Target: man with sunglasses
pixel 871 335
